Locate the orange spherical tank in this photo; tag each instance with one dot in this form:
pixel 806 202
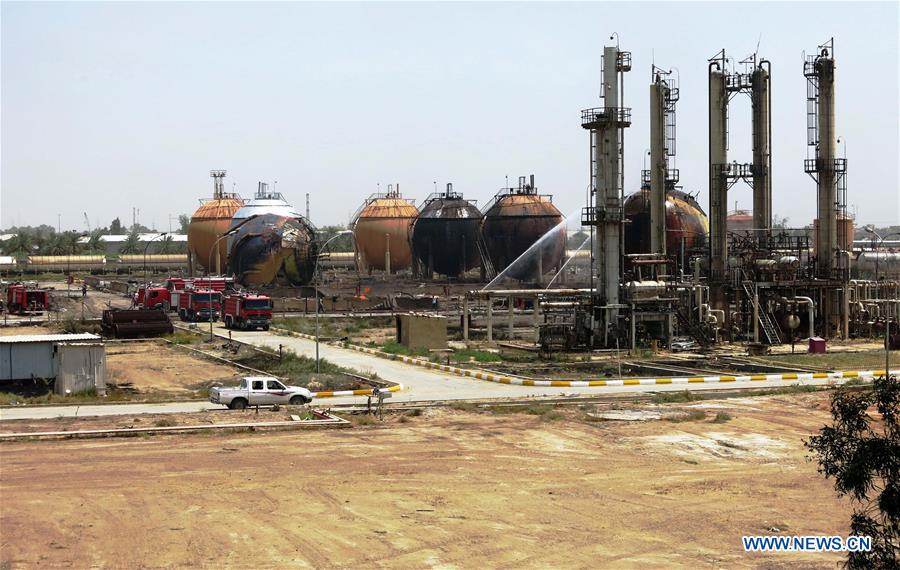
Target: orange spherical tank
pixel 514 222
pixel 384 220
pixel 209 222
pixel 739 221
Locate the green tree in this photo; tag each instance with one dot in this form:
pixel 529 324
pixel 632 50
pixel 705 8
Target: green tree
pixel 343 243
pixel 19 246
pixel 166 245
pixel 576 239
pixel 116 228
pixel 183 222
pixel 131 243
pixel 861 452
pixel 95 242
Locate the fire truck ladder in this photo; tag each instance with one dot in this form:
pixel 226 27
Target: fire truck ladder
pixel 768 326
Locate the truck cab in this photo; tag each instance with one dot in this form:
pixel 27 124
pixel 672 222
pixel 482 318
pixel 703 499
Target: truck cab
pixel 200 305
pixel 152 297
pixel 22 298
pixel 247 311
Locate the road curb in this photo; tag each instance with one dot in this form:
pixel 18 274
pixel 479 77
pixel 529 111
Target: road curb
pixel 666 380
pixel 365 392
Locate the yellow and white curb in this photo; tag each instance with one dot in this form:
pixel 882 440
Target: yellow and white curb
pixel 513 380
pixel 364 392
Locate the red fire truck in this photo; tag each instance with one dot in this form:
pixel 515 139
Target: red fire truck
pixel 199 305
pixel 247 311
pixel 22 298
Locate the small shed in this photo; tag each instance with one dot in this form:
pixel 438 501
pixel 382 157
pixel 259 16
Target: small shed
pixel 422 330
pixel 77 362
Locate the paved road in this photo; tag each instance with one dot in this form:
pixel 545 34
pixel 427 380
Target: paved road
pixel 419 383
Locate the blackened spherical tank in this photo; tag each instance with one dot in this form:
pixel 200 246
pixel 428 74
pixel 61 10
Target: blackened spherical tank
pixel 685 220
pixel 271 243
pixel 446 234
pixel 514 221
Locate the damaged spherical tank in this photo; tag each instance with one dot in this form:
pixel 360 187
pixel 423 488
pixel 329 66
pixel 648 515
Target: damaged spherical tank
pixel 446 233
pixel 686 223
pixel 209 223
pixel 384 224
pixel 272 243
pixel 515 220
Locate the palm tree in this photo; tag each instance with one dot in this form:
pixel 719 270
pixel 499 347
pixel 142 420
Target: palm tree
pixel 130 245
pixel 165 245
pixel 95 242
pixel 20 245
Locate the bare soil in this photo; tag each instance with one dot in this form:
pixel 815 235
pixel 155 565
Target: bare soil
pixel 163 370
pixel 447 488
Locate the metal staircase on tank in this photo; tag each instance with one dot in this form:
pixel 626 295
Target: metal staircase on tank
pixel 768 326
pixel 489 270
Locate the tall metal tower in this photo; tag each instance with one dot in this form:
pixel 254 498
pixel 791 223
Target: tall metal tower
pixel 663 96
pixel 828 171
pixel 607 132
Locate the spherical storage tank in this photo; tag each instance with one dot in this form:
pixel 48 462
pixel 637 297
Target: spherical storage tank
pixel 514 221
pixel 272 242
pixel 446 233
pixel 211 220
pixel 685 220
pixel 384 223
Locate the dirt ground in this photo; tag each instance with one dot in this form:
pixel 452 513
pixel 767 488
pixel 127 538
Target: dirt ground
pixel 445 489
pixel 153 367
pixel 13 330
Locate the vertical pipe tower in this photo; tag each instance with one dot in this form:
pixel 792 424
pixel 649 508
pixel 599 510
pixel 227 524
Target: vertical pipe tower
pixel 658 165
pixel 606 125
pixel 760 98
pixel 718 163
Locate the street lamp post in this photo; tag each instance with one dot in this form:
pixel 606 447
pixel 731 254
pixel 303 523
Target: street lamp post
pixel 316 287
pixel 209 263
pixel 145 252
pixel 887 318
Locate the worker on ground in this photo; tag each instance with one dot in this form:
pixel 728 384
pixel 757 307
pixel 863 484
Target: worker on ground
pixel 84 289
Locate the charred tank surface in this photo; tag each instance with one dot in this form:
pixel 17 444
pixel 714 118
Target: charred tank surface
pixel 446 233
pixel 272 242
pixel 513 221
pixel 685 220
pixel 211 220
pixel 384 223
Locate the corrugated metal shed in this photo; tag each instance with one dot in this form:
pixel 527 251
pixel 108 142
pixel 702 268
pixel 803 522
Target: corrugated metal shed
pixel 47 338
pixel 25 357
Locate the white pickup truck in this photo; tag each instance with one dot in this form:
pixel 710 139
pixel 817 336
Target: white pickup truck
pixel 259 391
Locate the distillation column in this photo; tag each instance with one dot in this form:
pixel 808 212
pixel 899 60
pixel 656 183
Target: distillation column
pixel 826 242
pixel 606 125
pixel 760 98
pixel 718 183
pixel 658 165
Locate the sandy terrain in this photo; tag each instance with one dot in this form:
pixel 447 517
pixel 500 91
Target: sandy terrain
pixel 14 331
pixel 163 370
pixel 445 489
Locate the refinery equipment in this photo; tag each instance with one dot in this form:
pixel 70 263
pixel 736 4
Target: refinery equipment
pixel 382 230
pixel 686 224
pixel 270 242
pixel 514 221
pixel 211 220
pixel 447 234
pixel 607 125
pixel 134 323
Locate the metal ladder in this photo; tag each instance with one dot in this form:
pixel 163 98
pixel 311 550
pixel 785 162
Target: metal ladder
pixel 768 326
pixel 489 270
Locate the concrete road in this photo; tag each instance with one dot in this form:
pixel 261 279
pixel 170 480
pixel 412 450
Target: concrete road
pixel 419 384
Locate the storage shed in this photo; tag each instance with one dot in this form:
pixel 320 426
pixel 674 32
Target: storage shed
pixel 422 330
pixel 77 362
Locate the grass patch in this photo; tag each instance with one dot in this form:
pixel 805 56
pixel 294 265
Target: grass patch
pixel 393 347
pixel 362 420
pixel 721 418
pixel 183 337
pixel 71 325
pixel 463 406
pixel 866 360
pixel 165 422
pixel 331 327
pixel 692 416
pixel 675 397
pixel 290 365
pixel 476 355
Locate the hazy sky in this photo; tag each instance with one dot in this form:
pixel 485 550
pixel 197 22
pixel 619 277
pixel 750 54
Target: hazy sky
pixel 109 107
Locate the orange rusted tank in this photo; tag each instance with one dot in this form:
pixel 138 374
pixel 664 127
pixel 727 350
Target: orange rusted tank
pixel 211 220
pixel 739 222
pixel 384 223
pixel 514 221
